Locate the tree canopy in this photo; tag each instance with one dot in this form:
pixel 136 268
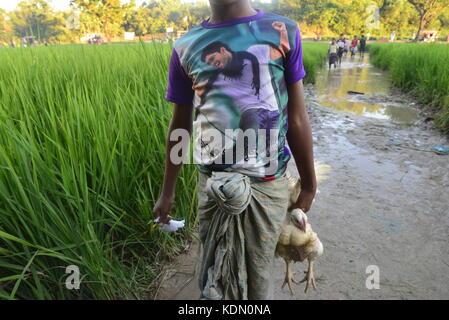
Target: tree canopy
pixel 428 10
pixel 38 19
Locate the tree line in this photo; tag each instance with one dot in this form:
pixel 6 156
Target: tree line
pixel 317 18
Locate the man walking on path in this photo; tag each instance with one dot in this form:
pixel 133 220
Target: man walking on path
pixel 347 46
pixel 354 45
pixel 241 72
pixel 341 48
pixel 392 36
pixel 333 54
pixel 362 46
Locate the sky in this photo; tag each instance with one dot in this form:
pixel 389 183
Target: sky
pixel 9 5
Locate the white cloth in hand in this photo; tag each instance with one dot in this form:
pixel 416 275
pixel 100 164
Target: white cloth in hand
pixel 172 226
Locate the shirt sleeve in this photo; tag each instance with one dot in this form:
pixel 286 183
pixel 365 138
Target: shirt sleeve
pixel 179 89
pixel 294 67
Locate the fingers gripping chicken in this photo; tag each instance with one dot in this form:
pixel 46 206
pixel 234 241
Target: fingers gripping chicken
pixel 297 241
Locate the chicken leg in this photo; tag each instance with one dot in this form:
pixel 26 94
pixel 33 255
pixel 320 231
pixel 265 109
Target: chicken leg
pixel 289 276
pixel 309 278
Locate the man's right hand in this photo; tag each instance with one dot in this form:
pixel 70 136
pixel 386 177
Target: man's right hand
pixel 182 119
pixel 162 207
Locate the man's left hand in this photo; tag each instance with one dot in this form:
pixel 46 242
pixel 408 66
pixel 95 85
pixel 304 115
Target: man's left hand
pixel 305 200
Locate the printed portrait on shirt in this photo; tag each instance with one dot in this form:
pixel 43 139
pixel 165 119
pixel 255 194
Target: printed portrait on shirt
pixel 238 75
pixel 244 75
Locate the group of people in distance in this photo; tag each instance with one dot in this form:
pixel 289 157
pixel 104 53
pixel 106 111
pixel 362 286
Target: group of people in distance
pixel 344 46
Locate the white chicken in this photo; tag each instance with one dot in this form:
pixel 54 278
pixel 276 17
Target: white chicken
pixel 297 241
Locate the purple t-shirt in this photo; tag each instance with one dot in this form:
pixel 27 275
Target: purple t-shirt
pixel 236 74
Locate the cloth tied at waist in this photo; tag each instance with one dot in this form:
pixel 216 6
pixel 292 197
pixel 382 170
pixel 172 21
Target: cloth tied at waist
pixel 223 271
pixel 230 191
pixel 240 221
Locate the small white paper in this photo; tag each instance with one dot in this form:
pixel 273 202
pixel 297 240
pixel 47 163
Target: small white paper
pixel 172 226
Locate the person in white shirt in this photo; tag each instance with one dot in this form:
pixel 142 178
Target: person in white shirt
pixel 341 48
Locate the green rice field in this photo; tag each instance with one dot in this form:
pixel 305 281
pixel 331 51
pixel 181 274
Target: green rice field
pixel 421 69
pixel 82 131
pixel 313 55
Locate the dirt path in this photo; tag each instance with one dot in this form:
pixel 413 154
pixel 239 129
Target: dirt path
pixel 386 202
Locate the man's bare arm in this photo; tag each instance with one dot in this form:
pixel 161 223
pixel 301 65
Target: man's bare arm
pixel 300 140
pixel 181 119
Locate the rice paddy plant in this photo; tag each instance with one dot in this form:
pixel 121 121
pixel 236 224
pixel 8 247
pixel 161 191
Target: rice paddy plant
pixel 314 54
pixel 82 144
pixel 421 69
pixel 82 132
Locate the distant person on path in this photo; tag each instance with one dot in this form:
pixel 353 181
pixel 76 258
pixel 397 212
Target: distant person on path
pixel 362 46
pixel 333 54
pixel 354 45
pixel 341 48
pixel 393 36
pixel 347 46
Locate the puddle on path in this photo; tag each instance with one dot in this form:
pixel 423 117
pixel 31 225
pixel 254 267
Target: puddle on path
pixel 358 75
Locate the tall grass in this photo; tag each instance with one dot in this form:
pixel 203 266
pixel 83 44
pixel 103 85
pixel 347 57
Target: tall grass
pixel 314 54
pixel 422 69
pixel 82 132
pixel 81 161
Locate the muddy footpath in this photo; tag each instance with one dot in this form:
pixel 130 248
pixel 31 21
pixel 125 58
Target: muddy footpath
pixel 384 204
